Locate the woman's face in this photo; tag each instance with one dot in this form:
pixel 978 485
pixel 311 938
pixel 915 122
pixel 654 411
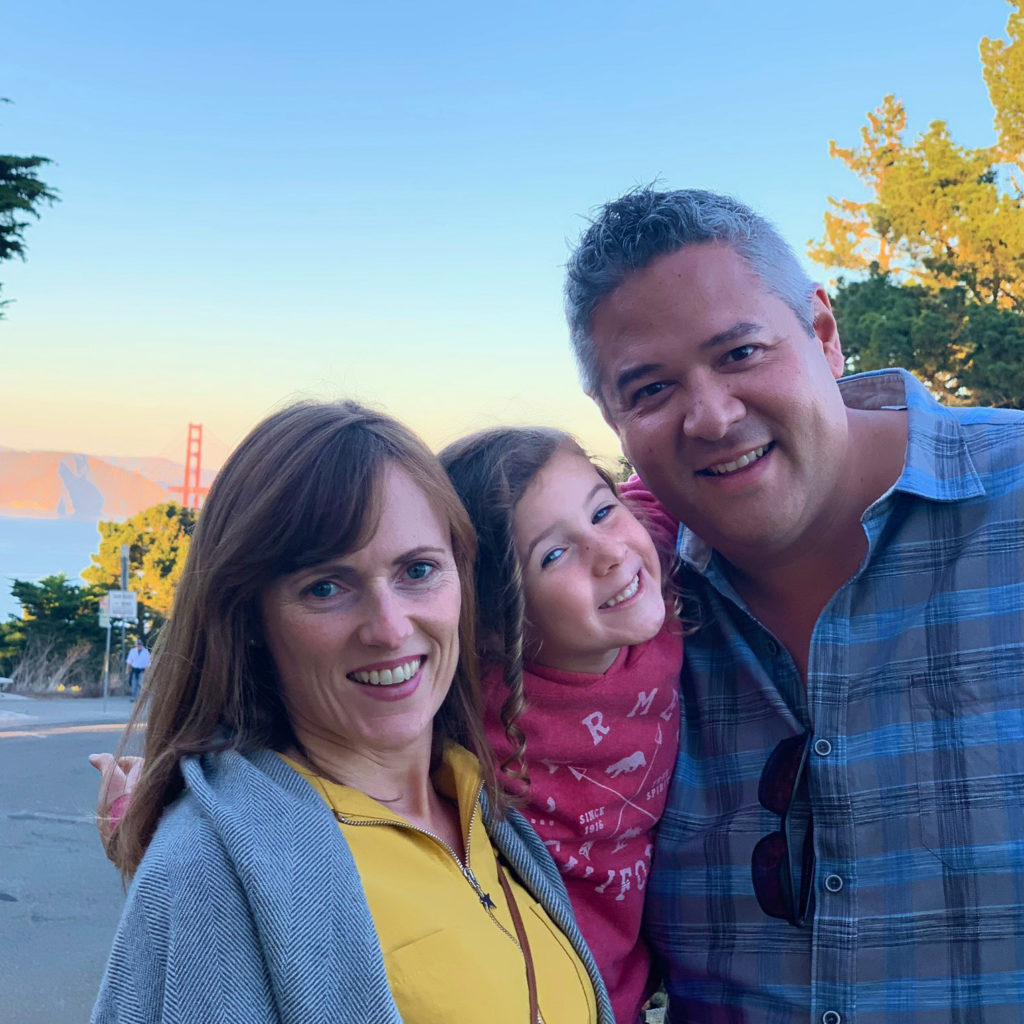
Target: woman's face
pixel 366 644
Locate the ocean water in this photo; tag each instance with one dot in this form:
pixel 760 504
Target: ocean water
pixel 33 548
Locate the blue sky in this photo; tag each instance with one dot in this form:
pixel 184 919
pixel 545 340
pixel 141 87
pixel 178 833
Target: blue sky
pixel 262 201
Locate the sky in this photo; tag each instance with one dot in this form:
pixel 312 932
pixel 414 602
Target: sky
pixel 267 201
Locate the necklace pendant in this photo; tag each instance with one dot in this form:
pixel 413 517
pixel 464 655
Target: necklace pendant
pixel 486 901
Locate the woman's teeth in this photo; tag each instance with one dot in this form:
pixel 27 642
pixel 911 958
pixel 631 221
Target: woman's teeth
pixel 624 595
pixel 743 460
pixel 389 676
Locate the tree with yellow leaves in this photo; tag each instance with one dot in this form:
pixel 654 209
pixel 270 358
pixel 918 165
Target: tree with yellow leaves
pixel 940 214
pixel 158 541
pixel 939 244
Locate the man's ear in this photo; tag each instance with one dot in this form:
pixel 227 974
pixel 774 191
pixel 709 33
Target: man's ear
pixel 826 331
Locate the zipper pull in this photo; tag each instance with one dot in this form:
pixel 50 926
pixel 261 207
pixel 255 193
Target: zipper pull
pixel 485 897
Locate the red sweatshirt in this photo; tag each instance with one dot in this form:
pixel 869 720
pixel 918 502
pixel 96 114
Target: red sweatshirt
pixel 600 751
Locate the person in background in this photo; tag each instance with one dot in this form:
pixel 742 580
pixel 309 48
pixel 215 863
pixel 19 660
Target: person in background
pixel 309 837
pixel 138 661
pixel 843 836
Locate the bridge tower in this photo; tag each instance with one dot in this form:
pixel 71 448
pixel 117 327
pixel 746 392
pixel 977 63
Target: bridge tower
pixel 191 490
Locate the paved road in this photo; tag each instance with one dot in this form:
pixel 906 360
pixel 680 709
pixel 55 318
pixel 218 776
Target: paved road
pixel 60 897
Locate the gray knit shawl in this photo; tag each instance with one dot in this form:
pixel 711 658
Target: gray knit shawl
pixel 248 909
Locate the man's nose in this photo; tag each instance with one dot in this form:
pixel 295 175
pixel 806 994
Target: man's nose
pixel 713 410
pixel 386 620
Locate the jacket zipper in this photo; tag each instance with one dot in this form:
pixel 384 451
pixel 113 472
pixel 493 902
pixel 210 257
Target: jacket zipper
pixel 467 872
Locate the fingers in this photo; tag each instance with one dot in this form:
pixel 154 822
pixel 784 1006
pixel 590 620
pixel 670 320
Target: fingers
pixel 117 777
pixel 132 768
pixel 102 762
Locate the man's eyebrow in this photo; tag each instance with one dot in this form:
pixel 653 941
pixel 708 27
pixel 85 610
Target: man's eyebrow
pixel 741 329
pixel 627 377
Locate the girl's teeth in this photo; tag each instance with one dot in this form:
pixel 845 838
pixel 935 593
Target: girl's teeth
pixel 389 676
pixel 625 594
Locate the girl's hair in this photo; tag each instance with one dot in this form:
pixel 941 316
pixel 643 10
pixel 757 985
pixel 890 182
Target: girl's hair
pixel 491 471
pixel 306 485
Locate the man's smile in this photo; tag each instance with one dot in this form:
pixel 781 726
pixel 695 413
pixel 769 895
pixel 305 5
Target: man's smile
pixel 740 462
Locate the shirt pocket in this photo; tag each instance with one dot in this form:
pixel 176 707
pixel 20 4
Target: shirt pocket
pixel 968 727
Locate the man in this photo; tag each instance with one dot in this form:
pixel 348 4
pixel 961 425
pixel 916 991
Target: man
pixel 845 833
pixel 138 662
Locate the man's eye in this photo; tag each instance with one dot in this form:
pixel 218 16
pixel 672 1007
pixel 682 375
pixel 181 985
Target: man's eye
pixel 552 556
pixel 602 513
pixel 323 589
pixel 420 570
pixel 648 391
pixel 737 355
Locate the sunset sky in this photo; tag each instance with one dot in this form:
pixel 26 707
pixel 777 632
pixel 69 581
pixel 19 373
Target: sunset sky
pixel 262 201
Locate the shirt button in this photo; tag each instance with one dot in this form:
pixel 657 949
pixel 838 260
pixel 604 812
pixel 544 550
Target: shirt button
pixel 831 1017
pixel 822 748
pixel 772 647
pixel 833 883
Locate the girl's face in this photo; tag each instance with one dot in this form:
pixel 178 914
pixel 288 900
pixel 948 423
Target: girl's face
pixel 591 577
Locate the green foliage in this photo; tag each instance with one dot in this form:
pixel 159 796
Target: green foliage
pixel 57 614
pixel 12 640
pixel 21 194
pixel 158 539
pixel 938 213
pixel 966 352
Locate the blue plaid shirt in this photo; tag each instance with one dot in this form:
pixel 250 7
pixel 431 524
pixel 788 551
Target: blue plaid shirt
pixel 915 695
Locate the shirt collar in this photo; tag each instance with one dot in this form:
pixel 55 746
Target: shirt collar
pixel 938 465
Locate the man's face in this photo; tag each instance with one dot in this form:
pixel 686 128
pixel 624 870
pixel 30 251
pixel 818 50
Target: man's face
pixel 728 409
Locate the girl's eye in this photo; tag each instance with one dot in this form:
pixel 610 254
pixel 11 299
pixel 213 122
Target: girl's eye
pixel 323 589
pixel 602 513
pixel 552 556
pixel 419 570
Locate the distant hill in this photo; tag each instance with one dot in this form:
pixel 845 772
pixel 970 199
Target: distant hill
pixel 69 485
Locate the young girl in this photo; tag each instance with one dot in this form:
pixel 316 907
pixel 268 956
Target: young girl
pixel 580 666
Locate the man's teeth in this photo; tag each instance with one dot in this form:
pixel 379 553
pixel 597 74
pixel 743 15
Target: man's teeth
pixel 743 460
pixel 389 676
pixel 624 595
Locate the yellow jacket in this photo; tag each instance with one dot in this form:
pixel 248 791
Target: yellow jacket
pixel 449 954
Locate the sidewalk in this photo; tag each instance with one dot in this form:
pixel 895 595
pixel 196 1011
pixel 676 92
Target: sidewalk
pixel 18 712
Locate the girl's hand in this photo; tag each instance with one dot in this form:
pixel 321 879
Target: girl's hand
pixel 118 777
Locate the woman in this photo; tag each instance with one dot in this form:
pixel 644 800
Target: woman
pixel 309 839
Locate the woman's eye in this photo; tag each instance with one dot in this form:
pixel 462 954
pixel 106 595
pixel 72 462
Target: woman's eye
pixel 552 556
pixel 419 570
pixel 602 513
pixel 323 589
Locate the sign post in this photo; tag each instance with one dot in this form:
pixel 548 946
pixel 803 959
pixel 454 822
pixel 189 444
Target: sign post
pixel 118 604
pixel 123 604
pixel 105 624
pixel 125 554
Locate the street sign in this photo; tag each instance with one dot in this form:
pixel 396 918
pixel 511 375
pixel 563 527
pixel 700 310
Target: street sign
pixel 123 604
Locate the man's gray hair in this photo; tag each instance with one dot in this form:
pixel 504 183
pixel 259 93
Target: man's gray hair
pixel 632 231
